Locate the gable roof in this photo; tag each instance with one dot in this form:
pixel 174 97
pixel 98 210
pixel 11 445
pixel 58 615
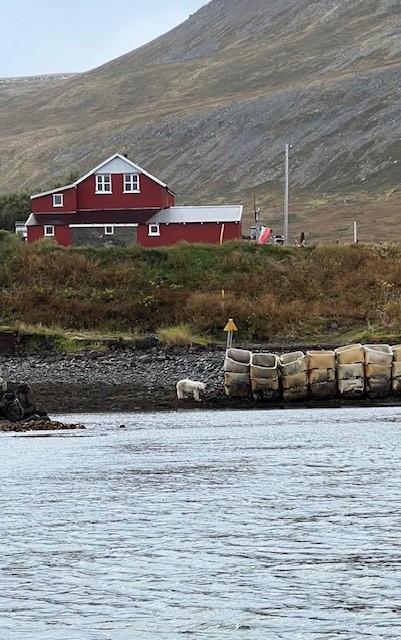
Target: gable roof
pixel 58 190
pixel 102 167
pixel 212 213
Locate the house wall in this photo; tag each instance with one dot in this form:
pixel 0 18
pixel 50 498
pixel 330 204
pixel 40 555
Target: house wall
pixel 152 195
pixel 208 232
pixel 169 234
pixel 44 204
pixel 62 235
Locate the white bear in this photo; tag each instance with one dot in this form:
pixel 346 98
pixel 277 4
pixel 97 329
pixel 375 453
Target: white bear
pixel 189 387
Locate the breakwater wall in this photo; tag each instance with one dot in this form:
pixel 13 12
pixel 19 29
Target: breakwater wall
pixel 352 371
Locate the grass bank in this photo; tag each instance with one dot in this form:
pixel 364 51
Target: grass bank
pixel 273 293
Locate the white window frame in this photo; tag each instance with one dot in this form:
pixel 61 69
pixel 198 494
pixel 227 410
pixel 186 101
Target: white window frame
pixel 48 231
pixel 154 230
pixel 109 230
pixel 131 183
pixel 103 180
pixel 57 196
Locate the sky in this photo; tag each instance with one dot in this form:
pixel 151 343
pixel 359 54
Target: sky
pixel 67 36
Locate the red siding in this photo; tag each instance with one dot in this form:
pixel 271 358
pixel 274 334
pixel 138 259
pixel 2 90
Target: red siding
pixel 34 233
pixel 208 232
pixel 152 195
pixel 44 204
pixel 62 235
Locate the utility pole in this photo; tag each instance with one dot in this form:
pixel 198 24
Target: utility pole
pixel 256 213
pixel 286 189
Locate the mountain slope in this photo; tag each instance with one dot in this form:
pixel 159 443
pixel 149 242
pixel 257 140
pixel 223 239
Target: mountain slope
pixel 209 106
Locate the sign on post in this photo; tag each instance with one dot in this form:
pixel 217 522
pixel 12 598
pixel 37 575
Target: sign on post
pixel 230 328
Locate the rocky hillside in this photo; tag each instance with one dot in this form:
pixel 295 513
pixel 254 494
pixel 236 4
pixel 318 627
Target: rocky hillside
pixel 209 107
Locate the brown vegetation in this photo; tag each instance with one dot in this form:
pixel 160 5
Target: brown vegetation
pixel 273 293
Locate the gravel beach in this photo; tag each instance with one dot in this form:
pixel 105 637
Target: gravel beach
pixel 138 379
pixel 119 381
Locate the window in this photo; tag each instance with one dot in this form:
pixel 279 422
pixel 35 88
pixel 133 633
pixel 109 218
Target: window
pixel 58 199
pixel 109 231
pixel 49 231
pixel 103 183
pixel 154 230
pixel 131 182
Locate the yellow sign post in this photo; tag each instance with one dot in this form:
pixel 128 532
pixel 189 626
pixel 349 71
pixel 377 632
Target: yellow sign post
pixel 230 328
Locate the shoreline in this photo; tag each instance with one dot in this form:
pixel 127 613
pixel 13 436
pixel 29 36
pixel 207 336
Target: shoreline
pixel 103 398
pixel 135 380
pixel 142 381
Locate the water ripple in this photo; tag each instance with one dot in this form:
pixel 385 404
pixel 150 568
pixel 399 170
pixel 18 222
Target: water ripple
pixel 218 525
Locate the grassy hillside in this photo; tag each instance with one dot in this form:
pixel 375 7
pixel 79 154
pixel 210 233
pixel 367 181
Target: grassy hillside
pixel 28 84
pixel 209 106
pixel 325 292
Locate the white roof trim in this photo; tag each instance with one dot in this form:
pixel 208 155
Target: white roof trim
pixel 59 190
pixel 137 168
pixel 31 222
pixel 124 159
pixel 103 224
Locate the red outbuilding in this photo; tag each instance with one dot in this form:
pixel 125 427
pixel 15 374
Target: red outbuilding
pixel 119 203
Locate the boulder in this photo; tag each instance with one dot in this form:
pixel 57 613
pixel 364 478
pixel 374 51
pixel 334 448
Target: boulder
pixel 17 402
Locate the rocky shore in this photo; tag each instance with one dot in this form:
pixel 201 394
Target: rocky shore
pixel 142 378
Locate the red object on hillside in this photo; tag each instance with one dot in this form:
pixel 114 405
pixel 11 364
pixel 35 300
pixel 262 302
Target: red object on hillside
pixel 119 203
pixel 264 235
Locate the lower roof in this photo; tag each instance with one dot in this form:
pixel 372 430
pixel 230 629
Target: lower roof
pixel 170 215
pixel 213 213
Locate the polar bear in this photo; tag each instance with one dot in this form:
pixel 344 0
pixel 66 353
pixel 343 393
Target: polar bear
pixel 187 387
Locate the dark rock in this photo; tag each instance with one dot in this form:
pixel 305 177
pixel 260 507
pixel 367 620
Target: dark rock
pixel 37 425
pixel 147 357
pixel 95 354
pixel 36 416
pixel 18 402
pixel 147 343
pixel 11 408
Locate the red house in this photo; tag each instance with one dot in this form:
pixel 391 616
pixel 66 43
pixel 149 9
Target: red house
pixel 120 203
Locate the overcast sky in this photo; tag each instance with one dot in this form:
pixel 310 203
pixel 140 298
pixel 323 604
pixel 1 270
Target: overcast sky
pixel 55 36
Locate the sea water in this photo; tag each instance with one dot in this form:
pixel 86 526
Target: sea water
pixel 250 525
